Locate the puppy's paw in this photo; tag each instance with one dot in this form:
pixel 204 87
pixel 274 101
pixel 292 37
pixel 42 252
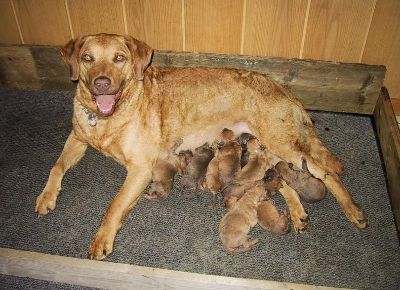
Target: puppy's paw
pixel 102 245
pixel 45 202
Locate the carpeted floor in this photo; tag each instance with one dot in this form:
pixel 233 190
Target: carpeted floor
pixel 181 233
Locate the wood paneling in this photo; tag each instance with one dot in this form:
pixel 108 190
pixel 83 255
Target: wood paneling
pixel 336 29
pixel 43 21
pixel 157 22
pixel 274 28
pixel 8 25
pixel 95 16
pixel 213 25
pixel 383 42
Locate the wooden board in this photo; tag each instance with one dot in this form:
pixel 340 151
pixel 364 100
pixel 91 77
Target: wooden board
pixel 213 26
pixel 96 16
pixel 383 42
pixel 389 138
pixel 107 275
pixel 336 30
pixel 8 25
pixel 43 22
pixel 274 28
pixel 156 22
pixel 329 86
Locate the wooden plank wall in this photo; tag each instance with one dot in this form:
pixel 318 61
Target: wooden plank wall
pixel 365 31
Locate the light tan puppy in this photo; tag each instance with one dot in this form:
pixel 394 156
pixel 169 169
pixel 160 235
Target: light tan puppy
pixel 134 113
pixel 236 224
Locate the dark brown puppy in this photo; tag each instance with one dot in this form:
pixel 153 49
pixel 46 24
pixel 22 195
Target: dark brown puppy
pixel 195 172
pixel 243 139
pixel 309 188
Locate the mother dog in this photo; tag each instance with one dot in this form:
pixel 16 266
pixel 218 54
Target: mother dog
pixel 136 113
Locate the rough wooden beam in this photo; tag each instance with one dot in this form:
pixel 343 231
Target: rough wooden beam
pixel 389 138
pixel 107 275
pixel 321 85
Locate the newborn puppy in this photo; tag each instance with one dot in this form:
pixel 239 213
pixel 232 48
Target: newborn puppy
pixel 253 171
pixel 224 166
pixel 270 219
pixel 309 188
pixel 228 157
pixel 164 172
pixel 236 224
pixel 243 139
pixel 196 169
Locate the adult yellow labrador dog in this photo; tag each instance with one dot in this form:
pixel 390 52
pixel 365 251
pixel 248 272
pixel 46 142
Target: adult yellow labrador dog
pixel 136 113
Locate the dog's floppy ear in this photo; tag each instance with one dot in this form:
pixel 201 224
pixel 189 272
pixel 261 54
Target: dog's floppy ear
pixel 70 55
pixel 141 55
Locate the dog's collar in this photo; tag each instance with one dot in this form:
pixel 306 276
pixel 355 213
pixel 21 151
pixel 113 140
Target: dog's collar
pixel 92 117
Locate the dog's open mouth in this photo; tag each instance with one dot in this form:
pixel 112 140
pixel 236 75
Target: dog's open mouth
pixel 106 103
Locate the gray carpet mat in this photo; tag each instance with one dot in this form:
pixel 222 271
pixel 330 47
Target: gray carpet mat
pixel 181 232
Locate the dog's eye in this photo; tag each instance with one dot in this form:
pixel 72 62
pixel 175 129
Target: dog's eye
pixel 87 58
pixel 119 58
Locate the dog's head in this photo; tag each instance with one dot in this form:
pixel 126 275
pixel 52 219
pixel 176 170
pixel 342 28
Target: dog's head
pixel 105 64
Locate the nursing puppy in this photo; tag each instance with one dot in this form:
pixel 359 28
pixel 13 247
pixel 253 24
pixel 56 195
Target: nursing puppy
pixel 134 113
pixel 226 164
pixel 195 172
pixel 254 170
pixel 164 172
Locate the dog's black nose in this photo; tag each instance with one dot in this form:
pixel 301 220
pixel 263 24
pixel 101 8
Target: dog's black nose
pixel 102 84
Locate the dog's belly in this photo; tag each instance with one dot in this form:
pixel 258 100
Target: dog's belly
pixel 211 133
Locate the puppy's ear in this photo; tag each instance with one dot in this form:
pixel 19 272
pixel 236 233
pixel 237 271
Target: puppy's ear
pixel 141 55
pixel 70 55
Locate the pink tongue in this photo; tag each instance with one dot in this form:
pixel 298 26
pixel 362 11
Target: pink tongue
pixel 105 103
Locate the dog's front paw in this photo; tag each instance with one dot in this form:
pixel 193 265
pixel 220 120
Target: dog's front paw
pixel 102 245
pixel 45 202
pixel 357 216
pixel 300 222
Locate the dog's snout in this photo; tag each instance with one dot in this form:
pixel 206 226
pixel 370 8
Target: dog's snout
pixel 102 83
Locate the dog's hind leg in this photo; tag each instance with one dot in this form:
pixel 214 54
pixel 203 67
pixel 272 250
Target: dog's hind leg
pixel 298 214
pixel 332 181
pixel 73 151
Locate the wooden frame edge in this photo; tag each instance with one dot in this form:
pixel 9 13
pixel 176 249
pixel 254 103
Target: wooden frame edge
pixel 389 139
pixel 123 276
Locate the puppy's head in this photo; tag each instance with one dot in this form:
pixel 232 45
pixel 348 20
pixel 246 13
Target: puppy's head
pixel 105 64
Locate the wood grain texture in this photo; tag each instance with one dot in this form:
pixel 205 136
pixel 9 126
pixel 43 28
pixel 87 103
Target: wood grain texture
pixel 8 24
pixel 274 28
pixel 213 25
pixel 383 42
pixel 157 22
pixel 43 21
pixel 336 29
pixel 389 139
pixel 108 275
pixel 96 16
